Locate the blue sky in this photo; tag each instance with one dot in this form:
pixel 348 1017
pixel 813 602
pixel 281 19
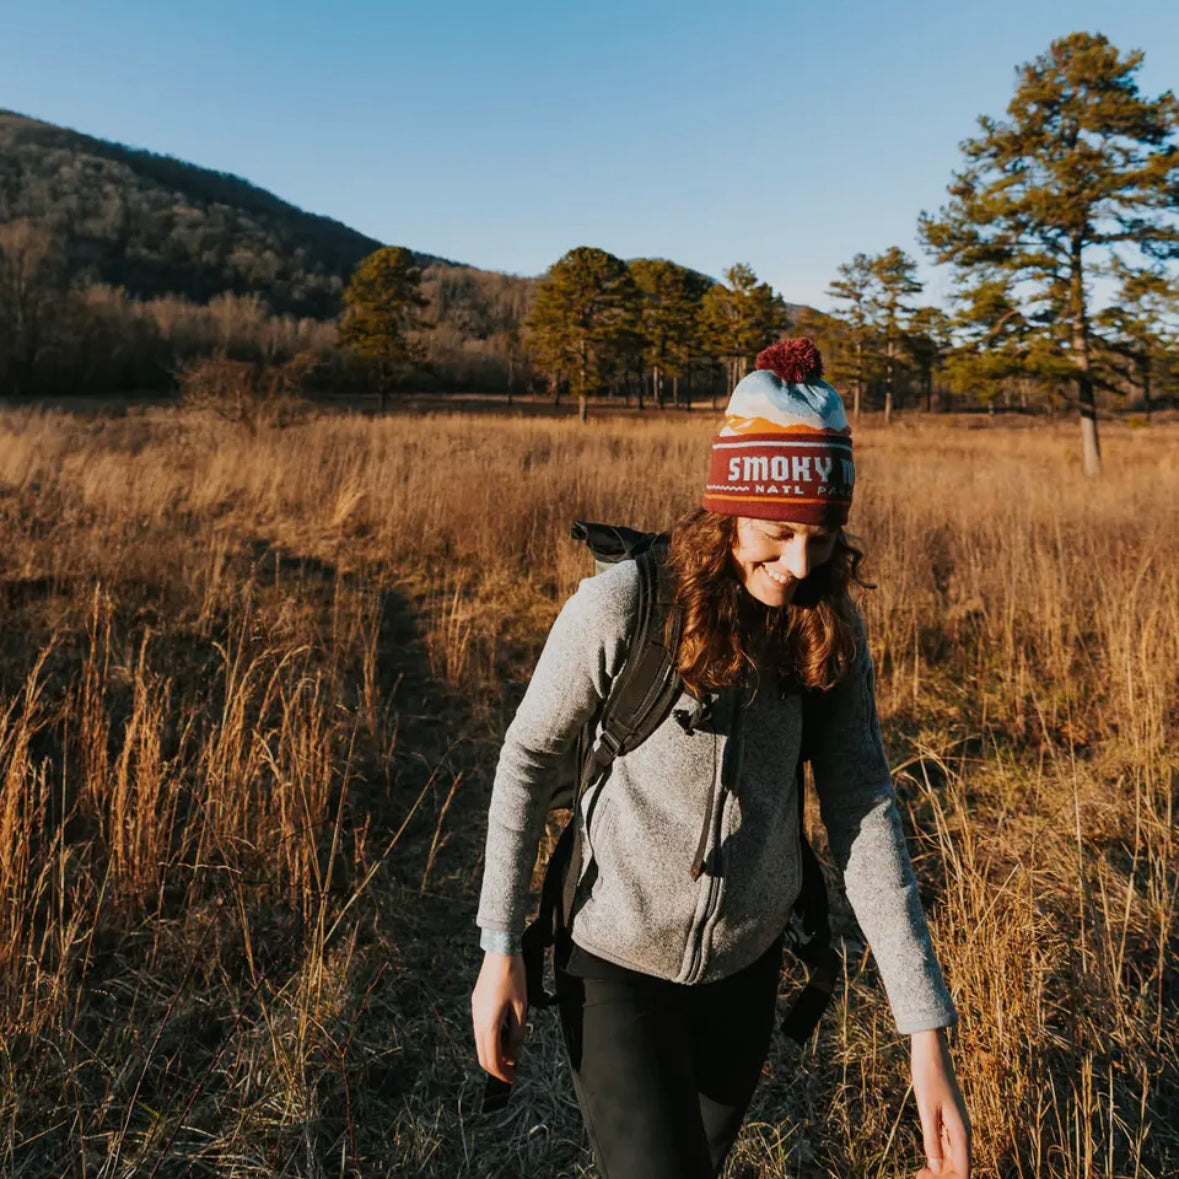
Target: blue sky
pixel 789 136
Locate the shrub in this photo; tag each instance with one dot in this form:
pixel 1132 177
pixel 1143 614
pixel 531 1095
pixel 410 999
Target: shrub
pixel 249 393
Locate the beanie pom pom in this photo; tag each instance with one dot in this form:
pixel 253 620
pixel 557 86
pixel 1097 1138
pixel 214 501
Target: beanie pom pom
pixel 796 360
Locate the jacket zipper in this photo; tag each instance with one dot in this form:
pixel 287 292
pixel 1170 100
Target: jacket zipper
pixel 714 835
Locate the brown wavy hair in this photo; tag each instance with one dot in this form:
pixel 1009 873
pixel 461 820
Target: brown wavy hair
pixel 730 638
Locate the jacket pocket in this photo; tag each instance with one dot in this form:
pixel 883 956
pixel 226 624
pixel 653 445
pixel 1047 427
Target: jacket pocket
pixel 594 816
pixel 601 823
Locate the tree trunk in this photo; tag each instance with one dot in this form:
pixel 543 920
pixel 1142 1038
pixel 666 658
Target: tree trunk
pixel 888 380
pixel 1086 402
pixel 675 391
pixel 582 398
pixel 1145 363
pixel 1090 445
pixel 859 383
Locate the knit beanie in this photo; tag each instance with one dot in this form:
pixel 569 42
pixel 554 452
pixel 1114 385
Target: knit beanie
pixel 785 451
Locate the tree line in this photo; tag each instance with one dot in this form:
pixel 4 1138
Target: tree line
pixel 1060 234
pixel 1078 185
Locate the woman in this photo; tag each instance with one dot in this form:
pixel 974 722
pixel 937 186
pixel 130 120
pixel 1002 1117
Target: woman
pixel 691 854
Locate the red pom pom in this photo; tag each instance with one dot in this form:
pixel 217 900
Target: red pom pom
pixel 796 360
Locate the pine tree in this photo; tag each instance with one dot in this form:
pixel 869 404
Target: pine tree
pixel 382 314
pixel 1083 172
pixel 928 340
pixel 740 317
pixel 856 288
pixel 670 298
pixel 895 275
pixel 583 320
pixel 1140 330
pixel 999 347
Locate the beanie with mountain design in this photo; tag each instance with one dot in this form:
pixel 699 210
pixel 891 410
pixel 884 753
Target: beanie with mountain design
pixel 785 450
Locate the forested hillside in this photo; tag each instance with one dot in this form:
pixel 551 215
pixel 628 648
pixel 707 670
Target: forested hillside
pixel 155 225
pixel 120 268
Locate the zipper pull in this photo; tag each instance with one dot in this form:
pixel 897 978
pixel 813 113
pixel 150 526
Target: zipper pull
pixel 702 844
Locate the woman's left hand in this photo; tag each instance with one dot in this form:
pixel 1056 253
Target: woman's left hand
pixel 945 1124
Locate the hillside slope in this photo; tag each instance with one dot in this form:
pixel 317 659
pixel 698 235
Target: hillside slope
pixel 154 224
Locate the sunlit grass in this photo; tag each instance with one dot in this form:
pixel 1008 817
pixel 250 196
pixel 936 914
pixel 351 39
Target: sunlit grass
pixel 252 692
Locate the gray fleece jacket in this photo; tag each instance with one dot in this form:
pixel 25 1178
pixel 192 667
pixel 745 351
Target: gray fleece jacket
pixel 644 909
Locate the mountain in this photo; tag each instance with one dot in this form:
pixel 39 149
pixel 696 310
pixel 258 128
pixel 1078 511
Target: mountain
pixel 156 225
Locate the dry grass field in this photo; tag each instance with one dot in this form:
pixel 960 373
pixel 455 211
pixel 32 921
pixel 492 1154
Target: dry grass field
pixel 251 689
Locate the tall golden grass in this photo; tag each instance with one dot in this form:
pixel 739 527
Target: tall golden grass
pixel 252 690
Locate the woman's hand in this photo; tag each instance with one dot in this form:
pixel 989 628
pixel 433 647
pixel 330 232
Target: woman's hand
pixel 499 1005
pixel 945 1125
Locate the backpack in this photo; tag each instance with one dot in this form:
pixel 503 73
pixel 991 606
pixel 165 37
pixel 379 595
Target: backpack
pixel 639 701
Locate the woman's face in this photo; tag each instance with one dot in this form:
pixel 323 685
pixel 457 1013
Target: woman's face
pixel 773 556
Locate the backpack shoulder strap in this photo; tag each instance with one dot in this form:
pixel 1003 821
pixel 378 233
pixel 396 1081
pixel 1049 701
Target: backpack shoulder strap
pixel 648 682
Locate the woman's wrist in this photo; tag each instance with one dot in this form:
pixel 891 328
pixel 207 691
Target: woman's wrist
pixel 929 1048
pixel 928 1037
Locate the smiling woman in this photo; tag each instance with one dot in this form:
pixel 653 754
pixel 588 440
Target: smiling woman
pixel 671 925
pixel 773 557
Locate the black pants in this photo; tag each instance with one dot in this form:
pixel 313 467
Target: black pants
pixel 664 1072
